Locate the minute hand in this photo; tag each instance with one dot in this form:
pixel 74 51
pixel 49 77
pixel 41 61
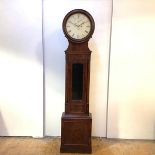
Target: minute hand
pixel 73 24
pixel 81 24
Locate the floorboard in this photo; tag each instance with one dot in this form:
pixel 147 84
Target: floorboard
pixel 51 146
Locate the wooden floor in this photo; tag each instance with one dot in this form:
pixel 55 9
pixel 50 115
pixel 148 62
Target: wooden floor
pixel 51 146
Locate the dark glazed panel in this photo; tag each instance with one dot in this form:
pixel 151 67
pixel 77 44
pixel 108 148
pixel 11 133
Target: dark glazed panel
pixel 77 81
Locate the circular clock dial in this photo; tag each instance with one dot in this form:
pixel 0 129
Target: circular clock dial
pixel 78 26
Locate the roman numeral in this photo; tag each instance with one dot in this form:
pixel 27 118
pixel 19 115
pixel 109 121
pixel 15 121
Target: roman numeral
pixel 73 35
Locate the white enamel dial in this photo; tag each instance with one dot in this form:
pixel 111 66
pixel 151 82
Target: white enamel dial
pixel 78 26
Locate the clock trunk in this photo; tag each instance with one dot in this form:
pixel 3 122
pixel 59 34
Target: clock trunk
pixel 76 121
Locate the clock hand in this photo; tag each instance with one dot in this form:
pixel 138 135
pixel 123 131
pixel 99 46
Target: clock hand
pixel 73 24
pixel 81 24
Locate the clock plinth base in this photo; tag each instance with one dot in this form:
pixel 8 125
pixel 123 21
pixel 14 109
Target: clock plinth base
pixel 76 133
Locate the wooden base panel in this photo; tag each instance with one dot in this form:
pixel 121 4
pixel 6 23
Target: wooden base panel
pixel 75 149
pixel 76 133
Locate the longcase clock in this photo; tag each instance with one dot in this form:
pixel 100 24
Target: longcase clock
pixel 76 121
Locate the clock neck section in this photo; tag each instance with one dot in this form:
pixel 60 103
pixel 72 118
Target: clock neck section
pixel 78 47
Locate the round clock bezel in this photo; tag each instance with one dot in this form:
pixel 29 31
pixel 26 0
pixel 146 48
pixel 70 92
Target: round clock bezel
pixel 75 11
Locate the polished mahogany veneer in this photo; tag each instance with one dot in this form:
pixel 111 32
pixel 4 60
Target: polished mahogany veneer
pixel 76 121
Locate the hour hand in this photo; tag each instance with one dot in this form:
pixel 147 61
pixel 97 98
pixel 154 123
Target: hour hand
pixel 81 24
pixel 73 23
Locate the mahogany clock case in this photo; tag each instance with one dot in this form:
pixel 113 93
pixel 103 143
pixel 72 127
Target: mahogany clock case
pixel 76 121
